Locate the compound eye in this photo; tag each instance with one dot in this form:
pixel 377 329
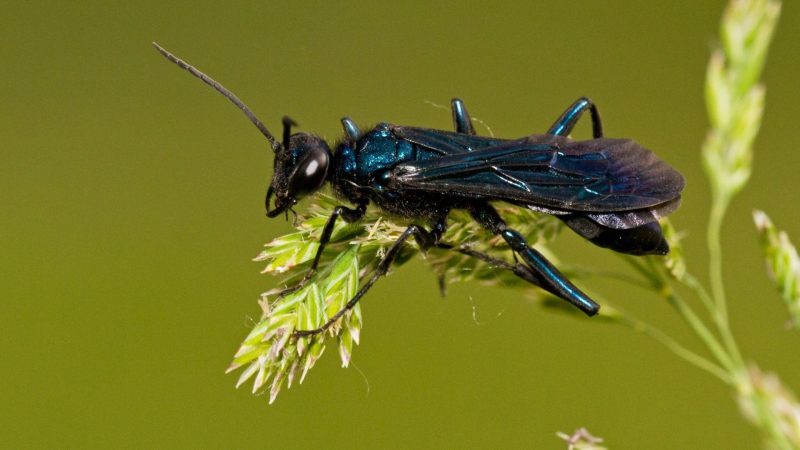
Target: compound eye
pixel 309 174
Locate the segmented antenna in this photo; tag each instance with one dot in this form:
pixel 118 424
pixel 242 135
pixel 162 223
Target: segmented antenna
pixel 224 91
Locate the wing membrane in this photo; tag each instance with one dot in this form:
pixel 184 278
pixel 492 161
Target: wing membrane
pixel 600 175
pixel 445 142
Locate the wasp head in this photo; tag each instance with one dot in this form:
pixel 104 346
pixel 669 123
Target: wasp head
pixel 301 167
pixel 301 160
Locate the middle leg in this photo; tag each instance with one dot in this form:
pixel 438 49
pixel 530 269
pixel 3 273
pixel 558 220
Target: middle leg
pixel 424 238
pixel 461 119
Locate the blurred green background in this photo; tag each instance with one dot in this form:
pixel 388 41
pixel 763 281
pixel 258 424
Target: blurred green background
pixel 132 206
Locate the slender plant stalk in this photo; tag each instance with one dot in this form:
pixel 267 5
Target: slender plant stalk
pixel 783 264
pixel 692 283
pixel 676 347
pixel 735 102
pixel 715 259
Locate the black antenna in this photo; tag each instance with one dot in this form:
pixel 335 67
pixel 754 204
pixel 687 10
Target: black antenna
pixel 288 123
pixel 222 90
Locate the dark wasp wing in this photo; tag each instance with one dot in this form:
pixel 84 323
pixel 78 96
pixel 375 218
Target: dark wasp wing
pixel 546 172
pixel 445 142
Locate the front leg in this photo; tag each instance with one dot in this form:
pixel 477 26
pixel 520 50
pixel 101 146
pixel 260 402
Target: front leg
pixel 349 216
pixel 424 239
pixel 546 274
pixel 351 129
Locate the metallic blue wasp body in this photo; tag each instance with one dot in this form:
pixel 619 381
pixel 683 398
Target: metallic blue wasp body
pixel 609 191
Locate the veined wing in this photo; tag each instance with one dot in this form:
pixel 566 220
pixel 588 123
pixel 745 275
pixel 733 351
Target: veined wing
pixel 445 142
pixel 598 175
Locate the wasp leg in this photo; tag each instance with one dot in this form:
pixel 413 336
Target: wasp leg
pixel 424 239
pixel 520 270
pixel 348 215
pixel 564 125
pixel 351 129
pixel 461 119
pixel 438 229
pixel 545 273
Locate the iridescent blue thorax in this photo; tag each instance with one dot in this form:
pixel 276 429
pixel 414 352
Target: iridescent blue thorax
pixel 359 169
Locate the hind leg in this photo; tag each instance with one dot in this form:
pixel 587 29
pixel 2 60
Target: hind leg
pixel 546 274
pixel 564 125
